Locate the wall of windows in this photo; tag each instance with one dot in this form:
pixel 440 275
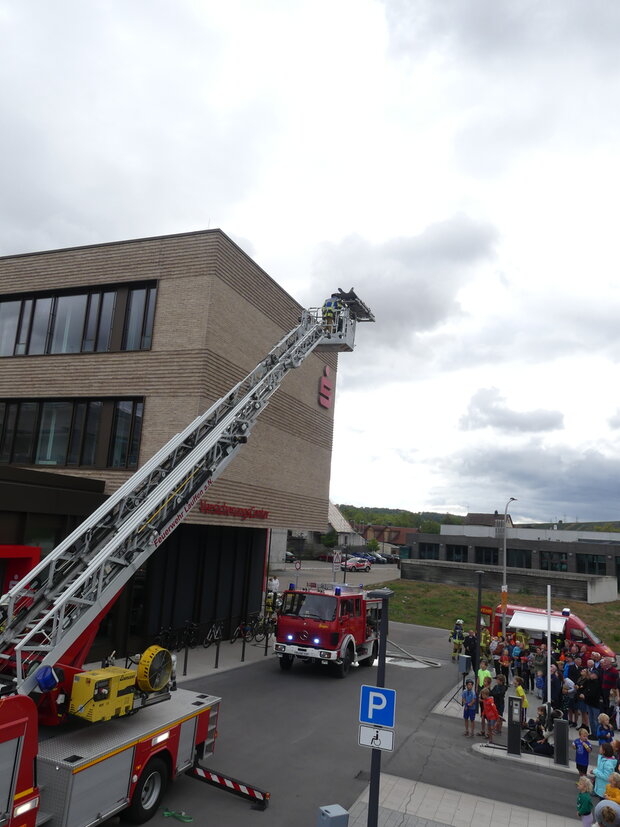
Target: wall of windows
pixel 99 320
pixel 519 558
pixel 456 554
pixel 591 564
pixel 486 556
pixel 429 551
pixel 96 433
pixel 554 560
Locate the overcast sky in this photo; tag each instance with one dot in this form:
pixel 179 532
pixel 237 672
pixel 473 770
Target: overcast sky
pixel 456 161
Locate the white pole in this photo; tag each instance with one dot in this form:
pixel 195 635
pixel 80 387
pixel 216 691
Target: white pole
pixel 548 644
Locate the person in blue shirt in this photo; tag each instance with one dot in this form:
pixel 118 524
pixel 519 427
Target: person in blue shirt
pixel 469 700
pixel 583 749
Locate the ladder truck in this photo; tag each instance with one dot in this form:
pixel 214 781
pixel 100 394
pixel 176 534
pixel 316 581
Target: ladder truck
pixel 120 745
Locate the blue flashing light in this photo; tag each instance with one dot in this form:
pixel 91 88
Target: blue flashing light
pixel 289 637
pixel 316 641
pixel 291 586
pixel 337 591
pixel 46 678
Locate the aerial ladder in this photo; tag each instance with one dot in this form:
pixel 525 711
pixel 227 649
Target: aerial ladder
pixel 51 616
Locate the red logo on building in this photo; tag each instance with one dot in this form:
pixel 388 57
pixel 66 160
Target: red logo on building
pixel 326 389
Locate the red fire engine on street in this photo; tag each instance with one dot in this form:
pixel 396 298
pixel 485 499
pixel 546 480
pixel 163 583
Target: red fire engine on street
pixel 332 625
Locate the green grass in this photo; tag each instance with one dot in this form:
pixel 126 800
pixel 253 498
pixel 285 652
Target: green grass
pixel 438 605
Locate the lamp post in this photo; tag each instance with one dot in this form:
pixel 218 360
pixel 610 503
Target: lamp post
pixel 504 583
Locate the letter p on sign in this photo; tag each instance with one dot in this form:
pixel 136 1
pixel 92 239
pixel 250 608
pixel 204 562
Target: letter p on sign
pixel 377 706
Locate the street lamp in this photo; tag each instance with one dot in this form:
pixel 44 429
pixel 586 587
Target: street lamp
pixel 504 583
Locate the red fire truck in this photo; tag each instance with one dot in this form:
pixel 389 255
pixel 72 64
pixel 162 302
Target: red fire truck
pixel 328 624
pixel 129 731
pixel 531 624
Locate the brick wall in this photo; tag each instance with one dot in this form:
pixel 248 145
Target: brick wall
pixel 217 314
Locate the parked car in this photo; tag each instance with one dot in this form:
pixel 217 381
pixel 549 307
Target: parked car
pixel 326 556
pixel 365 555
pixel 289 557
pixel 377 557
pixel 392 558
pixel 355 564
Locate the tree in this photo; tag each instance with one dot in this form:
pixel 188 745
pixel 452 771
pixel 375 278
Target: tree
pixel 330 539
pixel 430 527
pixel 373 544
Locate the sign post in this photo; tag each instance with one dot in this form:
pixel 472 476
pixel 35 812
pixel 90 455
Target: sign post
pixel 380 708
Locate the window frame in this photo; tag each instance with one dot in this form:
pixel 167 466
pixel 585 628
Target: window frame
pixel 38 316
pixel 81 436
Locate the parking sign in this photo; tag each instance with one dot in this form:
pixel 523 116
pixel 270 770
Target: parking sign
pixel 377 706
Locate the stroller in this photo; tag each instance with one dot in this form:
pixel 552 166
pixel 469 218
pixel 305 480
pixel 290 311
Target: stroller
pixel 530 736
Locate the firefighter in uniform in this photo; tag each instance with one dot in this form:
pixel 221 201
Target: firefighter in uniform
pixel 331 311
pixel 456 638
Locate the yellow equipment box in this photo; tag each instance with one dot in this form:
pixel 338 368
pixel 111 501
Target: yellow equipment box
pixel 102 694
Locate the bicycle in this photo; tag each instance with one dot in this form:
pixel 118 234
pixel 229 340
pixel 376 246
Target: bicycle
pixel 167 638
pixel 265 627
pixel 189 636
pixel 243 630
pixel 214 635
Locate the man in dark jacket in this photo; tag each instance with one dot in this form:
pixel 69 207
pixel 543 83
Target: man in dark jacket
pixel 470 647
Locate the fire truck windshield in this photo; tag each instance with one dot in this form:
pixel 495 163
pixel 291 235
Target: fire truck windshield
pixel 318 606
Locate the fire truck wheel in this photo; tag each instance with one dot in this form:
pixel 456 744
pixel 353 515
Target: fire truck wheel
pixel 369 661
pixel 148 792
pixel 342 669
pixel 286 661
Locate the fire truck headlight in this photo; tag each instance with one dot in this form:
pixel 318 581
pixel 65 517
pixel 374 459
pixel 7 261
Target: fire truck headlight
pixel 25 807
pixel 326 655
pixel 280 647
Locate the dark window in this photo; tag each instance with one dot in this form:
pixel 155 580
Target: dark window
pixel 456 554
pixel 429 551
pixel 126 431
pixel 23 333
pixel 78 322
pixel 24 432
pixel 9 319
pixel 68 329
pixel 554 561
pixel 54 433
pixel 108 301
pixel 519 558
pixel 591 564
pixel 71 432
pixel 486 556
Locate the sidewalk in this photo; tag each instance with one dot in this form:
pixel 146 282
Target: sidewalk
pixel 415 804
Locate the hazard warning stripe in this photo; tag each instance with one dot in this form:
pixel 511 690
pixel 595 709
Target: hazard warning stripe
pixel 258 796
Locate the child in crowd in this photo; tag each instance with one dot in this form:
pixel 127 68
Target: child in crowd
pixel 540 684
pixel 468 699
pixel 584 801
pixel 583 747
pixel 605 765
pixel 490 713
pixel 518 683
pixel 605 731
pixel 498 693
pixel 612 790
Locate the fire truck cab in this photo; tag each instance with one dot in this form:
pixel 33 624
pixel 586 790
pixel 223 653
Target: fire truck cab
pixel 335 625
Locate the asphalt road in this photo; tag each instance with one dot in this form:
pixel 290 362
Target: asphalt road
pixel 295 734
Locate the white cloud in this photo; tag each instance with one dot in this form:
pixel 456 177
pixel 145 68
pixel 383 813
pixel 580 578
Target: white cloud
pixel 454 162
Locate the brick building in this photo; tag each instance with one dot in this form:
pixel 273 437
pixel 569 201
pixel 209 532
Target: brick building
pixel 106 352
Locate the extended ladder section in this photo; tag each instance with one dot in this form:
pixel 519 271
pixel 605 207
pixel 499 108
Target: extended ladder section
pixel 50 608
